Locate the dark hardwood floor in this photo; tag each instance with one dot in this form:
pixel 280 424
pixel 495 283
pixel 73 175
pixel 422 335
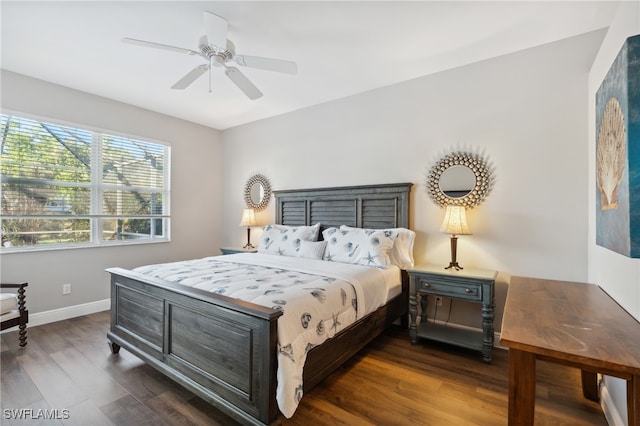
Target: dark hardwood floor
pixel 68 366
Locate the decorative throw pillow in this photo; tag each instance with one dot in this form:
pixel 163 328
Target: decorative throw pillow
pixel 359 246
pixel 402 251
pixel 313 229
pixel 286 240
pixel 312 249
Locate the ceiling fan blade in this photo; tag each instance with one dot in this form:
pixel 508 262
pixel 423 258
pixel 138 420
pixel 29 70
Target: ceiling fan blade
pixel 159 46
pixel 216 28
pixel 191 76
pixel 243 83
pixel 267 64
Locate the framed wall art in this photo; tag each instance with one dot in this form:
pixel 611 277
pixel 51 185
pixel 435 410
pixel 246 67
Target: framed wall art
pixel 618 153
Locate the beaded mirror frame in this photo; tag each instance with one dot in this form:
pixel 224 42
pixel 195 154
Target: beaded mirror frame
pixel 261 204
pixel 484 179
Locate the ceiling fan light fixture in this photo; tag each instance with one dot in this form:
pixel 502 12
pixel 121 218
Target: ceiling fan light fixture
pixel 218 50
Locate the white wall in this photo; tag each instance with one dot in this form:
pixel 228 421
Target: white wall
pixel 195 203
pixel 617 274
pixel 526 111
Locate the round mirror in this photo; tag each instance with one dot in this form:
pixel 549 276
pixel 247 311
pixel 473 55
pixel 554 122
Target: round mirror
pixel 257 192
pixel 457 181
pixel 460 178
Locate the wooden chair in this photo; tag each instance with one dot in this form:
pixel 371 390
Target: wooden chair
pixel 14 311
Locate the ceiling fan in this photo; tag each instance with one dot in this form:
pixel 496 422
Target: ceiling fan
pixel 218 51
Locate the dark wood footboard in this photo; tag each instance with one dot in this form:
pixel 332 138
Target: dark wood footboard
pixel 222 349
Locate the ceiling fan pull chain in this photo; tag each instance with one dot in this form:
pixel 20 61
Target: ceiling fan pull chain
pixel 210 76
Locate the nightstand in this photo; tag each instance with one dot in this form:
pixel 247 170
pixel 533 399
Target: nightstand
pixel 233 250
pixel 473 285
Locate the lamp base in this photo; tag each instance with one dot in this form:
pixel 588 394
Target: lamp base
pixel 454 265
pixel 248 246
pixel 454 247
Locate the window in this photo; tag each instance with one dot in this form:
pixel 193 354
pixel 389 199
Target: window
pixel 64 186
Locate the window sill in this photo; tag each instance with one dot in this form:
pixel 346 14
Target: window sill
pixel 11 250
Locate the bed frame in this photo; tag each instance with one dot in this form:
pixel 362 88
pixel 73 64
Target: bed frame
pixel 225 350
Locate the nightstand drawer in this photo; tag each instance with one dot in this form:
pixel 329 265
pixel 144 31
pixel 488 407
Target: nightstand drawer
pixel 449 289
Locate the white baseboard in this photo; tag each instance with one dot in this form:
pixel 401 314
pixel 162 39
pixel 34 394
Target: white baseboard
pixel 54 315
pixel 610 410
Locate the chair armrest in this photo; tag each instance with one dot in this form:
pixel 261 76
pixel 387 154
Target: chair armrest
pixel 12 285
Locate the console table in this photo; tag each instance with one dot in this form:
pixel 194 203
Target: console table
pixel 569 323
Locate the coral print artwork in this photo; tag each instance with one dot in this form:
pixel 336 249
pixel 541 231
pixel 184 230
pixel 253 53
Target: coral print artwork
pixel 618 153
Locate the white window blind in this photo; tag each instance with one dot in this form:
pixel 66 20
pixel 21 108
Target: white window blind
pixel 62 185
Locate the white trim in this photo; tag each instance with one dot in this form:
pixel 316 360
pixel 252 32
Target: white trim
pixel 69 312
pixel 610 410
pixel 54 315
pixel 71 246
pixel 99 141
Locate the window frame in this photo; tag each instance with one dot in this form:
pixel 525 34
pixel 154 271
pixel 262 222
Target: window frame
pixel 97 190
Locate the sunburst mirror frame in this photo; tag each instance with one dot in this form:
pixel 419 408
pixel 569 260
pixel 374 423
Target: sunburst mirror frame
pixel 479 166
pixel 262 180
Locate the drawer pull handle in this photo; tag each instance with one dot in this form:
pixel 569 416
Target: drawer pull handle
pixel 468 290
pixel 427 285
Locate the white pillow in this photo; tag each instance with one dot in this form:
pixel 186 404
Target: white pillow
pixel 402 251
pixel 312 249
pixel 314 229
pixel 360 246
pixel 286 240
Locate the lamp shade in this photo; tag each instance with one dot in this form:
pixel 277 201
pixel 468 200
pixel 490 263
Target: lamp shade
pixel 455 221
pixel 248 218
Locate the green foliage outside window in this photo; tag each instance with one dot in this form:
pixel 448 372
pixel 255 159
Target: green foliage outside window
pixel 62 185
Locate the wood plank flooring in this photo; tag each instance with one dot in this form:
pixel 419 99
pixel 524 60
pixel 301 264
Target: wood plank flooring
pixel 68 366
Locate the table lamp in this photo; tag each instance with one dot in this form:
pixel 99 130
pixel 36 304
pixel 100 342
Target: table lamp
pixel 455 223
pixel 248 220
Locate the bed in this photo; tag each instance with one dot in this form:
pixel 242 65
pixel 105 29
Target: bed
pixel 225 349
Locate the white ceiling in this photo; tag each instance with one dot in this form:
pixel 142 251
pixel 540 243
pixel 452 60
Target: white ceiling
pixel 341 48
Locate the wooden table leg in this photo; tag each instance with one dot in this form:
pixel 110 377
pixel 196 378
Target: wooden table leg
pixel 633 401
pixel 590 385
pixel 522 387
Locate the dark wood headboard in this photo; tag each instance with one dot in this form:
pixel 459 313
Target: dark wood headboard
pixel 366 206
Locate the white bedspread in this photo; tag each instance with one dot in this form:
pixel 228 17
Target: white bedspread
pixel 318 299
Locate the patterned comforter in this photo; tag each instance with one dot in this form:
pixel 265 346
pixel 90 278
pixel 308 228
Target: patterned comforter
pixel 317 298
